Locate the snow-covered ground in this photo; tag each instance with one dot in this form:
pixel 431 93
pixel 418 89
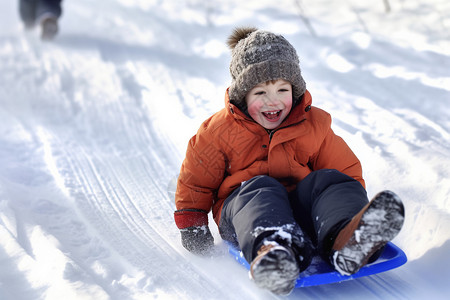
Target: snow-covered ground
pixel 93 128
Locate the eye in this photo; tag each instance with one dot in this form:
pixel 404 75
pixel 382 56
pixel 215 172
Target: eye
pixel 283 90
pixel 259 93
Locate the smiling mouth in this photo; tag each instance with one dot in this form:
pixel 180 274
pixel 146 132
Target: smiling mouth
pixel 272 115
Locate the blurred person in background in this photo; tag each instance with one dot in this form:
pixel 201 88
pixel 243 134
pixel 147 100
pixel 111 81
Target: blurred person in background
pixel 43 13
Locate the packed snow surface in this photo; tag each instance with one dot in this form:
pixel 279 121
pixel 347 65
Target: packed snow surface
pixel 94 126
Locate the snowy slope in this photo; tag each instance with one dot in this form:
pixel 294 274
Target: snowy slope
pixel 93 128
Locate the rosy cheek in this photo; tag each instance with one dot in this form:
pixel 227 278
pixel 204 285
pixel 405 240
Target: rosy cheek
pixel 288 104
pixel 288 107
pixel 254 109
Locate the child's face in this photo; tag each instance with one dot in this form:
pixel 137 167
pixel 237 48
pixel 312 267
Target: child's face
pixel 270 102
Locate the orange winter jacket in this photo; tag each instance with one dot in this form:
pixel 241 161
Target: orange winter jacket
pixel 230 148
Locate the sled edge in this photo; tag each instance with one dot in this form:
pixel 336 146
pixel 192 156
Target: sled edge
pixel 391 258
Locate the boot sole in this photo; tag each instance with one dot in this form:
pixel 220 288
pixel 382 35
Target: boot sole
pixel 276 271
pixel 370 230
pixel 49 28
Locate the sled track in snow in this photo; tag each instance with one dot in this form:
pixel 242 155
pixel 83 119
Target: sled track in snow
pixel 117 182
pixel 123 213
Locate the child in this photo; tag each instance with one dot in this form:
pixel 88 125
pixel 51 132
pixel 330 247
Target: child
pixel 281 185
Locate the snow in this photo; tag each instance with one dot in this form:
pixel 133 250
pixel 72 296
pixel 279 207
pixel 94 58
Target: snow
pixel 94 126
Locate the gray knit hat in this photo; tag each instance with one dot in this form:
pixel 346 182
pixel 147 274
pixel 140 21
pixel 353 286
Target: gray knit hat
pixel 259 56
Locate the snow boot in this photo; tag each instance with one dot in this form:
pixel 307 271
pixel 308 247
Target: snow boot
pixel 49 27
pixel 275 268
pixel 289 236
pixel 367 232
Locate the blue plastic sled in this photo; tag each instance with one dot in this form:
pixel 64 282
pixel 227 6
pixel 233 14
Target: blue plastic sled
pixel 319 272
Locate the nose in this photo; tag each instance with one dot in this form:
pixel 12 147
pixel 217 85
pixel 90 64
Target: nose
pixel 271 99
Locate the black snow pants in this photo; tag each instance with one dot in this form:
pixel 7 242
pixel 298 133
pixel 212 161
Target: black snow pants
pixel 322 204
pixel 32 10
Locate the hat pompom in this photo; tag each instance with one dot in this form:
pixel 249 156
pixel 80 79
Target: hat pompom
pixel 238 34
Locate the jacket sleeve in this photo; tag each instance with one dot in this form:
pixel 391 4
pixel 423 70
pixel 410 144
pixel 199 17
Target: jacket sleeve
pixel 200 176
pixel 334 153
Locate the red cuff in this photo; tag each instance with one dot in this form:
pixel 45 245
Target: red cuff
pixel 190 218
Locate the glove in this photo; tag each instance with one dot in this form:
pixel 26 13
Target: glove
pixel 197 239
pixel 195 234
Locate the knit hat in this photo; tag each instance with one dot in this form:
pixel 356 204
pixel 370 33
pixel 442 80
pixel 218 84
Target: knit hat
pixel 259 56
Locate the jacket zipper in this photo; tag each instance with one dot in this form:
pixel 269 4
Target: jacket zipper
pixel 271 132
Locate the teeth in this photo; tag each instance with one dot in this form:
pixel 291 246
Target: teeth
pixel 271 112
